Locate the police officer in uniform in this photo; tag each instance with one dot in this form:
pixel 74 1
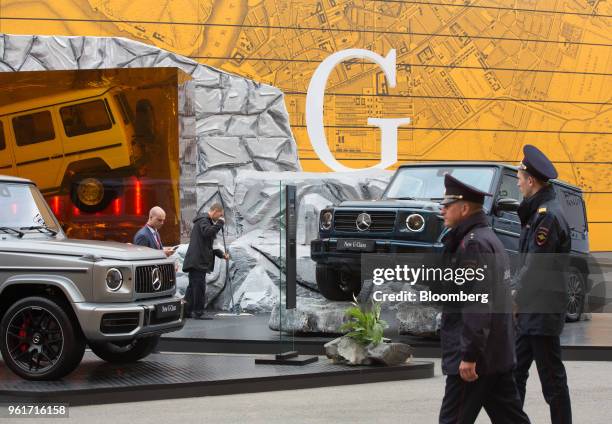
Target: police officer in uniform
pixel 540 286
pixel 477 338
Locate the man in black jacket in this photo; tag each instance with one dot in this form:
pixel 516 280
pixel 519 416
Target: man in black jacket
pixel 477 337
pixel 540 286
pixel 200 258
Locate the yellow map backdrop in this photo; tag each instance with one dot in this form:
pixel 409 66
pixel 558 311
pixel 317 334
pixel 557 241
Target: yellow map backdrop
pixel 478 78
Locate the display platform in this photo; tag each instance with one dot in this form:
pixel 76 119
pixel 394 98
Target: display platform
pixel 581 341
pixel 179 375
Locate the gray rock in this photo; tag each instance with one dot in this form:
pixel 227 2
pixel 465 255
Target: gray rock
pixel 345 350
pixel 419 320
pixel 257 293
pixel 352 352
pixel 331 348
pixel 390 353
pixel 310 316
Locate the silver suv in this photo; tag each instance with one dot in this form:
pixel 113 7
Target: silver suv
pixel 59 294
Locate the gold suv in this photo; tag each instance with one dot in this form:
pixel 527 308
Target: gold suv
pixel 79 142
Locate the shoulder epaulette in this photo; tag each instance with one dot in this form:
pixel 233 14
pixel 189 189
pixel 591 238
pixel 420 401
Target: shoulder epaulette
pixel 542 210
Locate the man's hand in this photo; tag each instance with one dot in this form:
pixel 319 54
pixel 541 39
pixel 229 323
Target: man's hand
pixel 168 251
pixel 226 256
pixel 467 371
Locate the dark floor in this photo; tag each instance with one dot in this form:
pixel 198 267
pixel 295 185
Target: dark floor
pixel 176 375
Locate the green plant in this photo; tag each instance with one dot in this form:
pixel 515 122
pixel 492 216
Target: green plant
pixel 365 326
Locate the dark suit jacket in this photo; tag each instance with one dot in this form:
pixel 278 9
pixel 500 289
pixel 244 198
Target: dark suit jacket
pixel 144 237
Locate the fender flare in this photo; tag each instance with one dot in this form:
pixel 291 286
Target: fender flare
pixel 66 285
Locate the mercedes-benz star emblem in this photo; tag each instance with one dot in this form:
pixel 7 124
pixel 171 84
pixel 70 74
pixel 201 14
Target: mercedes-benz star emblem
pixel 363 221
pixel 155 279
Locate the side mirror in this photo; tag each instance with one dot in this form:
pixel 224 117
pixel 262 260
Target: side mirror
pixel 506 204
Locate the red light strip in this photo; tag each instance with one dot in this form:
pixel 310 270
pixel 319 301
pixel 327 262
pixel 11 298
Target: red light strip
pixel 138 198
pixel 56 205
pixel 117 206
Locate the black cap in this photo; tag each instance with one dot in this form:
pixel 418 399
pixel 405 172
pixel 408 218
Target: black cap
pixel 457 190
pixel 537 164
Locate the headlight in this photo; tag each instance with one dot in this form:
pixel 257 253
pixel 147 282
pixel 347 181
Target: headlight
pixel 326 220
pixel 114 279
pixel 415 222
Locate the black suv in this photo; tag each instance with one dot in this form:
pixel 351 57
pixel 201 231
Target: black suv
pixel 407 220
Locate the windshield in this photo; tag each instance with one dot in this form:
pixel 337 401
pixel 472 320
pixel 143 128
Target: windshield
pixel 427 182
pixel 22 207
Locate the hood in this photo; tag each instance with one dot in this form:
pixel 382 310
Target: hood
pixel 412 204
pixel 74 247
pixel 200 217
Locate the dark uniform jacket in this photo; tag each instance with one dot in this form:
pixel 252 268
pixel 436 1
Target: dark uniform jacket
pixel 540 284
pixel 200 254
pixel 473 331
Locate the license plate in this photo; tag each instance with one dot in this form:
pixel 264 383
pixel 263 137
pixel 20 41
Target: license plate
pixel 167 310
pixel 357 245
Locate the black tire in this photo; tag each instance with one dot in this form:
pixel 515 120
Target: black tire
pixel 336 285
pixel 124 353
pixel 577 294
pixel 39 340
pixel 108 193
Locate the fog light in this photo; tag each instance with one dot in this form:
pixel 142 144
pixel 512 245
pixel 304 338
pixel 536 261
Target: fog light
pixel 415 222
pixel 326 220
pixel 114 279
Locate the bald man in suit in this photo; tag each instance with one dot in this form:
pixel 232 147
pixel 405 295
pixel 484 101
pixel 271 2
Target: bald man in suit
pixel 149 234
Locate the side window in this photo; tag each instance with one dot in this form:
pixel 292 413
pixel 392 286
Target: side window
pixel 508 188
pixel 33 128
pixel 573 207
pixel 2 142
pixel 124 107
pixel 85 118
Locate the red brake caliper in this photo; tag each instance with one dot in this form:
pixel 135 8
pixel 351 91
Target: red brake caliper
pixel 23 333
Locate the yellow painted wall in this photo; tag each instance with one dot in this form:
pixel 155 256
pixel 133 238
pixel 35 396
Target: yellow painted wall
pixel 478 80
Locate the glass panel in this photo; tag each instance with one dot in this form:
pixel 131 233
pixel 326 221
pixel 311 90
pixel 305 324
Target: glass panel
pixel 286 335
pixel 33 128
pixel 85 118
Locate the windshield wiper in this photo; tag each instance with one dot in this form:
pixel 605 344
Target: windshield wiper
pixel 9 230
pixel 404 198
pixel 40 229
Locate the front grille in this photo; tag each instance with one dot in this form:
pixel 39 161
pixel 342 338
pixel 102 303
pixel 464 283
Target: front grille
pixel 144 278
pixel 381 220
pixel 117 323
